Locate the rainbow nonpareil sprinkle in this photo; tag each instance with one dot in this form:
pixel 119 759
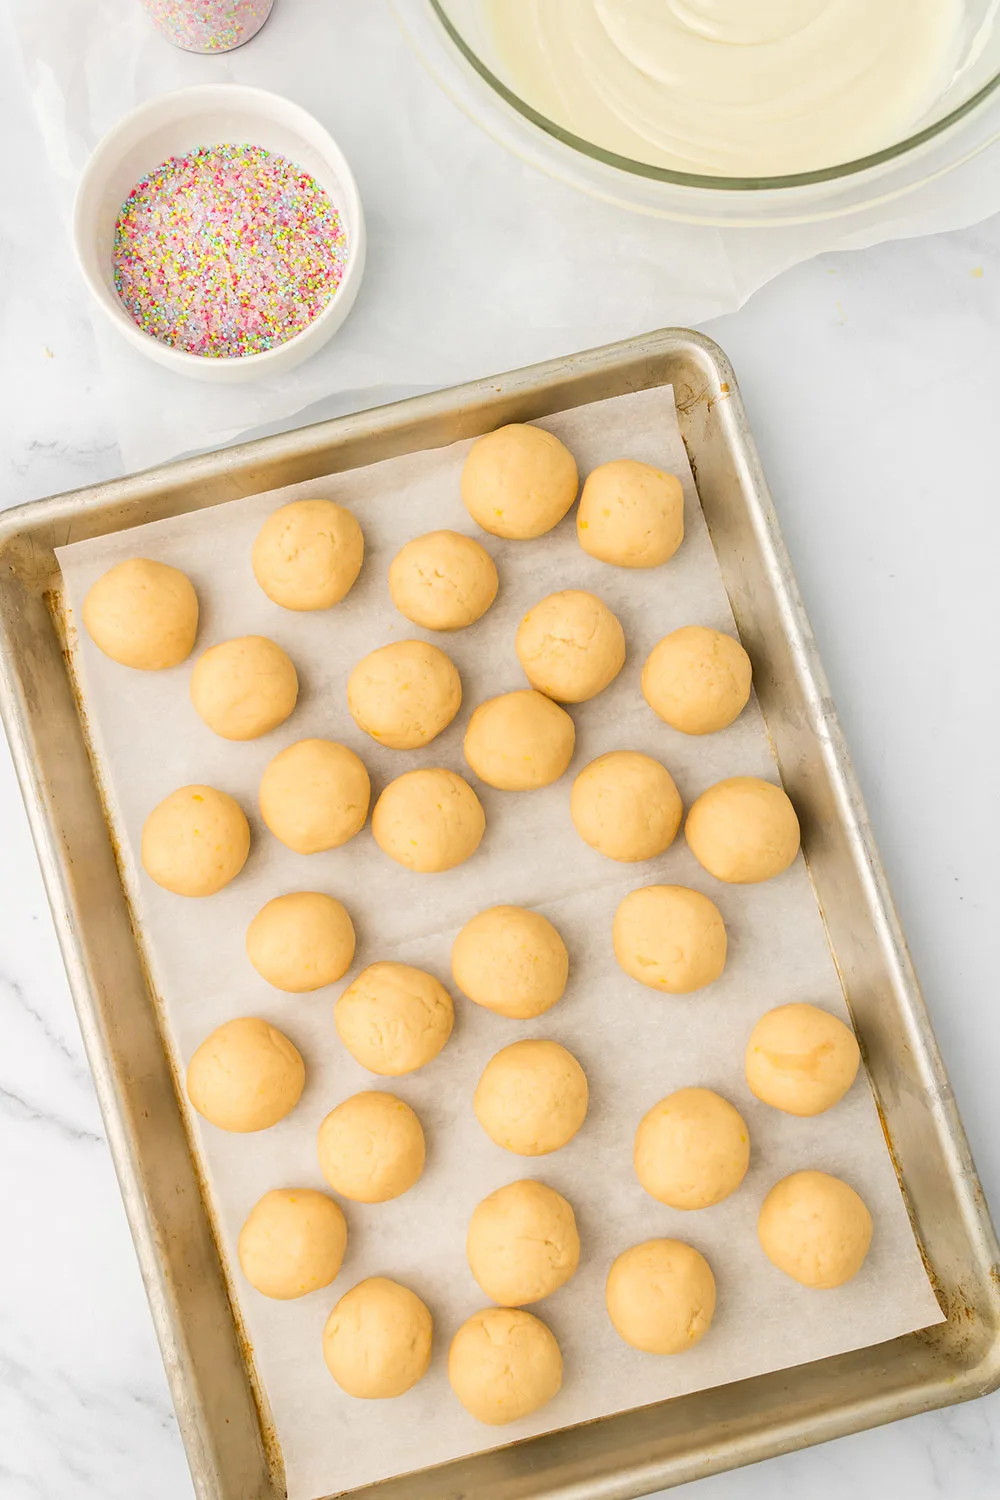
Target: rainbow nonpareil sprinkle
pixel 227 251
pixel 208 25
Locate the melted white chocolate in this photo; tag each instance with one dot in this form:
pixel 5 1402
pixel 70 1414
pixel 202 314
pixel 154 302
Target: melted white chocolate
pixel 741 88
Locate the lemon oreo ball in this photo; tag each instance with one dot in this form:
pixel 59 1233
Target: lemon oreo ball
pixel 519 481
pixel 143 614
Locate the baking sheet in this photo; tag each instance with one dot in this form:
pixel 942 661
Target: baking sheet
pixel 635 1044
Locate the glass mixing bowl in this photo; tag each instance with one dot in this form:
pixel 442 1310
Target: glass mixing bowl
pixel 453 39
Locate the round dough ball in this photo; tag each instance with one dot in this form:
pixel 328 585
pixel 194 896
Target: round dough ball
pixel 429 820
pixel 244 688
pixel 195 842
pixel 631 515
pixel 443 581
pixel 142 614
pixel 571 646
pixel 519 481
pixel 522 1243
pixel 371 1148
pixel 301 941
pixel 511 961
pixel 532 1098
pixel 504 1364
pixel 625 805
pixel 670 938
pixel 393 1019
pixel 308 554
pixel 692 1149
pixel 314 795
pixel 743 830
pixel 519 741
pixel 292 1243
pixel 816 1229
pixel 403 695
pixel 697 680
pixel 377 1340
pixel 802 1060
pixel 661 1296
pixel 245 1076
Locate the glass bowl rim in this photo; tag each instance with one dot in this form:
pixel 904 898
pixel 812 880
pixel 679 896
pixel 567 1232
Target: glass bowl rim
pixel 647 170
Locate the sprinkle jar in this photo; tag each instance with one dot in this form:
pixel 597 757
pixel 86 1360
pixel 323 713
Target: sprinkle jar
pixel 208 25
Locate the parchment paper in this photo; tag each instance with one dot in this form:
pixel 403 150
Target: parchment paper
pixel 635 1045
pixel 476 262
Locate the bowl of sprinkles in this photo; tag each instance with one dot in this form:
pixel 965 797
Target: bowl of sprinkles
pixel 221 231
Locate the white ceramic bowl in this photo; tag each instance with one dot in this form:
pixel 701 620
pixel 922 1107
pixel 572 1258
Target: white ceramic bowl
pixel 173 125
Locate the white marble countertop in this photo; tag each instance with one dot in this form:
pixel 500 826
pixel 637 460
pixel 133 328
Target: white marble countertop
pixel 870 382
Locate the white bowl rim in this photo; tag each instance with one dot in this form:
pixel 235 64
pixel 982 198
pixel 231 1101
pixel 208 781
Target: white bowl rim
pixel 340 304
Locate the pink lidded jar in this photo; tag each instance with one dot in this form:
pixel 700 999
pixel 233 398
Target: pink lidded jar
pixel 208 25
